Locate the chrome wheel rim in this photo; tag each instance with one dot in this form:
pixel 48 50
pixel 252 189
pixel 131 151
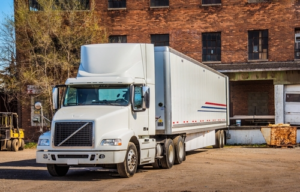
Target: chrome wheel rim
pixel 171 153
pixel 131 160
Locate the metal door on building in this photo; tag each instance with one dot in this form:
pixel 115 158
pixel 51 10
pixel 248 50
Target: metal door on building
pixel 292 104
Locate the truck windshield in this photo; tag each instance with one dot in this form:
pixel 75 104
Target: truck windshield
pixel 97 95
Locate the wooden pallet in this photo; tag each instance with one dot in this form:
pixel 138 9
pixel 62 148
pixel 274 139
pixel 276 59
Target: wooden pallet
pixel 283 146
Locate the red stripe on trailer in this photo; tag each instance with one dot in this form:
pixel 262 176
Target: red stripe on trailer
pixel 216 104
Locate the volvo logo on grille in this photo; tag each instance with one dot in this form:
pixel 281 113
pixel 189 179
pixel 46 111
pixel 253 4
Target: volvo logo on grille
pixel 101 156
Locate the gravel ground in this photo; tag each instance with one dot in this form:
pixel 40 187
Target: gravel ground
pixel 228 169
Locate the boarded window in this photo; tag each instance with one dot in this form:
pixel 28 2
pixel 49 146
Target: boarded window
pixel 258 45
pixel 160 40
pixel 211 47
pixel 292 97
pixel 157 3
pixel 116 3
pixel 118 39
pixel 258 103
pixel 206 2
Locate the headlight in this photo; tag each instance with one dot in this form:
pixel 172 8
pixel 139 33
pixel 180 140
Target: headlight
pixel 111 142
pixel 44 142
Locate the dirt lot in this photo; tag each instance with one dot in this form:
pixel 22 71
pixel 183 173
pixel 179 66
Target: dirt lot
pixel 228 169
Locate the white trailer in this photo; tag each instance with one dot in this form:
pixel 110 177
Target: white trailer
pixel 132 105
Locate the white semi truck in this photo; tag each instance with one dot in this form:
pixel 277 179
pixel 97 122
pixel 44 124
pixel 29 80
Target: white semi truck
pixel 133 105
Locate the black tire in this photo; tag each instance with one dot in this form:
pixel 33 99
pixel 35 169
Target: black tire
pixel 222 138
pixel 129 166
pixel 57 171
pixel 8 145
pixel 15 145
pixel 218 140
pixel 22 146
pixel 167 161
pixel 179 149
pixel 156 164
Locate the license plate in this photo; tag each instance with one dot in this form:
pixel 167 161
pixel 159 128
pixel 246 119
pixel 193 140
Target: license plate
pixel 72 161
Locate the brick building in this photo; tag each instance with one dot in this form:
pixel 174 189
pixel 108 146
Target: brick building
pixel 254 42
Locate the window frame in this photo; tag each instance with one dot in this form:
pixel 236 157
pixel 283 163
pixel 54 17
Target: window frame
pixel 258 1
pixel 157 36
pixel 116 8
pixel 117 36
pixel 297 31
pixel 258 47
pixel 87 8
pixel 159 6
pixel 211 47
pixel 211 4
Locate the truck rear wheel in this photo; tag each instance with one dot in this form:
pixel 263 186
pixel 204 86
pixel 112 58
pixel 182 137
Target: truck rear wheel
pixel 168 160
pixel 179 149
pixel 129 166
pixel 222 138
pixel 57 171
pixel 218 140
pixel 15 145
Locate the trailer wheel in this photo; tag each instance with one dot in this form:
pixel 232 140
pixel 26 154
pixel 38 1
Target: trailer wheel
pixel 22 146
pixel 179 149
pixel 168 160
pixel 222 138
pixel 218 140
pixel 130 164
pixel 8 145
pixel 57 171
pixel 15 145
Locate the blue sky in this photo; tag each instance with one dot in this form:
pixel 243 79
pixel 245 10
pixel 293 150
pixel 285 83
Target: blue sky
pixel 6 8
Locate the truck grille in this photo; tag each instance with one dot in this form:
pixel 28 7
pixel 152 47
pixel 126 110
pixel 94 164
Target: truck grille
pixel 83 138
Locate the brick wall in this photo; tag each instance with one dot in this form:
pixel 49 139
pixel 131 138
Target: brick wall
pixel 239 95
pixel 185 21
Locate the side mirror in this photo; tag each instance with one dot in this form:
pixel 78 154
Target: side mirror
pixel 55 98
pixel 140 98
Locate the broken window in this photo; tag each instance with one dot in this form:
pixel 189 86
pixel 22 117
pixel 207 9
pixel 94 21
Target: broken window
pixel 258 45
pixel 118 39
pixel 116 3
pixel 160 40
pixel 211 47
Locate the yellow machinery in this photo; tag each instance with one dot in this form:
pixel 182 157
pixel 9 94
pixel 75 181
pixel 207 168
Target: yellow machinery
pixel 12 139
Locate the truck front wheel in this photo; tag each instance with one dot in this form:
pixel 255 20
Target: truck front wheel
pixel 130 164
pixel 168 160
pixel 57 171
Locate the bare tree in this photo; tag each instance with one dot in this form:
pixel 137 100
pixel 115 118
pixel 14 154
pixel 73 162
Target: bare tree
pixel 41 45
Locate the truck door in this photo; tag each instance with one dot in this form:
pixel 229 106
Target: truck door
pixel 139 120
